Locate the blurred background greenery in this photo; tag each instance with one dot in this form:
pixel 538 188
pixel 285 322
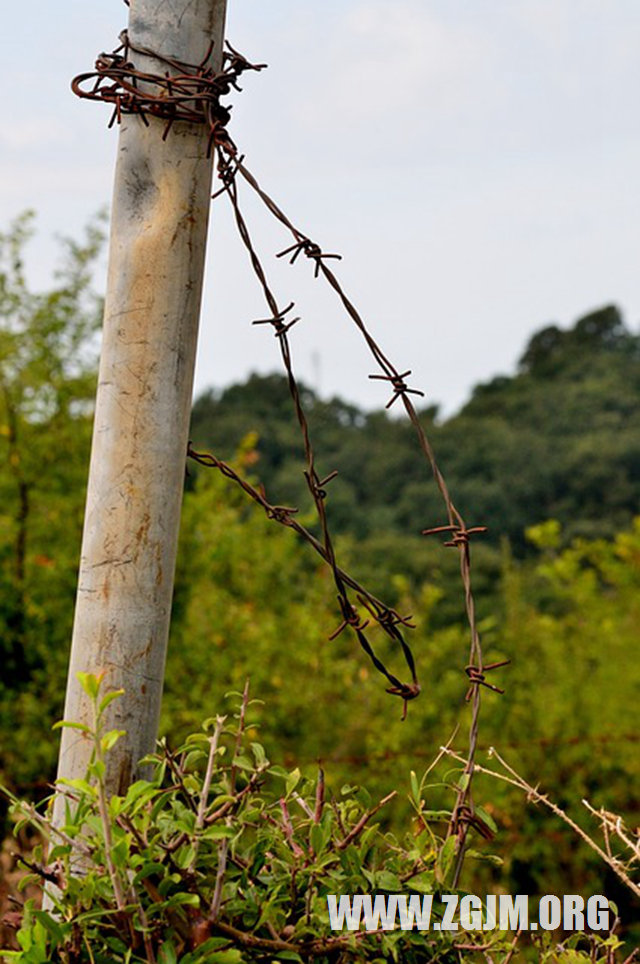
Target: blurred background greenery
pixel 548 458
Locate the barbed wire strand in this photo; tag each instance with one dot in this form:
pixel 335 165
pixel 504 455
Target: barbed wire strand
pixel 387 618
pixel 192 93
pixel 229 165
pixel 284 516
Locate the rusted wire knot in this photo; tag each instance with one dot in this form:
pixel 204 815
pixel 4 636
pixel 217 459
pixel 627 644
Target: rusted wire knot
pixel 188 92
pixel 406 692
pixel 387 618
pixel 204 458
pixel 400 387
pixel 350 617
pixel 317 485
pixel 280 326
pixel 311 250
pixel 226 172
pixel 464 816
pixel 476 676
pixel 280 513
pixel 235 63
pixel 461 534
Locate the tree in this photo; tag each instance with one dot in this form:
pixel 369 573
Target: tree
pixel 47 379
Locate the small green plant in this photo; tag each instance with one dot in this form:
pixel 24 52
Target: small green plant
pixel 222 857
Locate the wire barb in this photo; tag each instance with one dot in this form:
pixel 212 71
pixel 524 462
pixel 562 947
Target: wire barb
pixel 311 250
pixel 400 387
pixel 460 534
pixel 476 676
pixel 277 320
pixel 351 617
pixel 229 167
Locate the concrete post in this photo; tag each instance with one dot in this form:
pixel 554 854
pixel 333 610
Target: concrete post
pixel 158 234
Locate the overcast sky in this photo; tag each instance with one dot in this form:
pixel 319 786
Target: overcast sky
pixel 476 163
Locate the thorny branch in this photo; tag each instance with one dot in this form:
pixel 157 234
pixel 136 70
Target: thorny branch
pixel 534 794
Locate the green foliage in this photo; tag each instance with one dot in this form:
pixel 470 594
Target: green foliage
pixel 253 601
pixel 220 856
pixel 560 439
pixel 223 857
pixel 552 451
pixel 47 383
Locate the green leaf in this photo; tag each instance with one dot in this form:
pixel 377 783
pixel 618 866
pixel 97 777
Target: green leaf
pixel 422 883
pixel 415 788
pixel 243 762
pixel 97 769
pixel 120 852
pixel 183 900
pixel 278 771
pixel 90 684
pixel 216 832
pixel 366 838
pixel 51 925
pixel 493 859
pixel 208 953
pixel 385 880
pixel 139 793
pixel 110 739
pixel 115 944
pixel 151 868
pixel 436 815
pixel 109 698
pixel 219 800
pixel 184 856
pixel 445 860
pixel 259 754
pixel 193 757
pixel 70 724
pixel 77 784
pixel 370 876
pixel 464 781
pixel 317 838
pixel 167 954
pixel 488 819
pixel 230 955
pixel 292 781
pixel 29 880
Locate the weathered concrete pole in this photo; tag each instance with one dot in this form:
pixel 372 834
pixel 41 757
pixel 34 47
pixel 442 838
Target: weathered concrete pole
pixel 156 258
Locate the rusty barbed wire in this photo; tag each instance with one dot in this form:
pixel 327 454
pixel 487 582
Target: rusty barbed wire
pixel 230 165
pixel 283 514
pixel 192 93
pixel 389 620
pixel 184 92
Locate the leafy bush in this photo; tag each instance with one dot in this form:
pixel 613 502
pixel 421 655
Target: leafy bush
pixel 222 857
pixel 48 348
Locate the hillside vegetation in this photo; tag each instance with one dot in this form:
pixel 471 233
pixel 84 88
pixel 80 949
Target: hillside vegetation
pixel 558 439
pixel 548 458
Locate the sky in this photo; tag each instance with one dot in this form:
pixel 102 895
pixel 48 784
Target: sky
pixel 475 163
